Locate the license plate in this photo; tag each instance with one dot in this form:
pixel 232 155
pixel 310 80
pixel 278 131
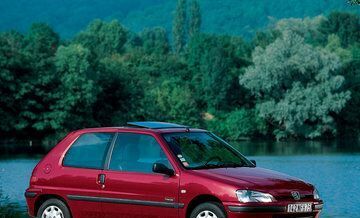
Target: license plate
pixel 299 208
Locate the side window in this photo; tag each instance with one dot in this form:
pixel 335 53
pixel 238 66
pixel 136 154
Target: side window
pixel 88 151
pixel 136 153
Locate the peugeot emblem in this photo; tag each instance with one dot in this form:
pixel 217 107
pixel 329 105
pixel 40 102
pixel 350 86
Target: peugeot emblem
pixel 296 195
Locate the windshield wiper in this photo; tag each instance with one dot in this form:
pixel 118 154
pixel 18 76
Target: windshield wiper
pixel 206 166
pixel 220 165
pixel 231 165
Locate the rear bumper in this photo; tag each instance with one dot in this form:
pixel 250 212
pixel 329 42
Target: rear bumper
pixel 270 211
pixel 31 195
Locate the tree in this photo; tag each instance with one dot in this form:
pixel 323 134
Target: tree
pixel 354 2
pixel 102 38
pixel 28 61
pixel 344 25
pixel 195 18
pixel 13 67
pixel 77 93
pixel 118 93
pixel 215 63
pixel 238 124
pixel 265 38
pixel 308 28
pixel 172 101
pixel 42 41
pixel 296 86
pixel 179 26
pixel 41 45
pixel 349 119
pixel 334 45
pixel 210 63
pixel 155 41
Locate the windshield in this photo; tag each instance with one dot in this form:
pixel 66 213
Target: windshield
pixel 201 150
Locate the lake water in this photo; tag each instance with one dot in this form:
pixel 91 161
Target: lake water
pixel 333 167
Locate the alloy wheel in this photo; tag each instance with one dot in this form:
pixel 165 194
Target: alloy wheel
pixel 52 212
pixel 206 214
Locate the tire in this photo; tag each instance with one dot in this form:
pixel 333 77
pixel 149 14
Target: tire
pixel 53 208
pixel 208 210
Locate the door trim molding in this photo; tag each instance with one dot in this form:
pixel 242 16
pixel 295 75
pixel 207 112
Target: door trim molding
pixel 125 201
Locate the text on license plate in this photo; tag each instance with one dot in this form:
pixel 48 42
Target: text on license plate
pixel 299 208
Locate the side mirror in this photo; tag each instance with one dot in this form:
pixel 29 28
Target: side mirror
pixel 253 162
pixel 162 169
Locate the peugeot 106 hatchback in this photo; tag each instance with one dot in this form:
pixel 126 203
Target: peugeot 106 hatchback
pixel 155 169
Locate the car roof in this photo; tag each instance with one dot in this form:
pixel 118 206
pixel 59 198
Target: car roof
pixel 144 127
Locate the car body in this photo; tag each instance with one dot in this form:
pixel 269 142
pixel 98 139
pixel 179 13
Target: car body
pixel 70 174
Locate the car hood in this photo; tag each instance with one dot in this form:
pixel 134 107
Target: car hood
pixel 259 179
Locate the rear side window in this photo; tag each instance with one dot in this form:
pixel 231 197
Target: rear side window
pixel 88 151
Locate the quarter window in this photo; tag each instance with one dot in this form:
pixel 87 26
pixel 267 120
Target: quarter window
pixel 136 153
pixel 88 151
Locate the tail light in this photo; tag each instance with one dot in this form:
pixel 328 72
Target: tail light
pixel 33 179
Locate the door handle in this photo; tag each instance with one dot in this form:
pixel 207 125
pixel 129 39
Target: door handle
pixel 101 179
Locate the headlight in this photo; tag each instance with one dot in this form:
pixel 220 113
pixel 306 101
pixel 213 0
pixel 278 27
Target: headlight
pixel 246 196
pixel 316 194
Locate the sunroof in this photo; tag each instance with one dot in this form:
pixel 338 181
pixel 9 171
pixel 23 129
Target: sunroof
pixel 156 125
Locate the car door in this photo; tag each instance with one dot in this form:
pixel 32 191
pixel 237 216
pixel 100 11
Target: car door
pixel 131 188
pixel 82 168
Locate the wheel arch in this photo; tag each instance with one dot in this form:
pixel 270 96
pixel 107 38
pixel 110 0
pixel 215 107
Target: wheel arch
pixel 202 199
pixel 42 198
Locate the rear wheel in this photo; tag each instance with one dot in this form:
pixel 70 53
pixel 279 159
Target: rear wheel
pixel 208 210
pixel 53 208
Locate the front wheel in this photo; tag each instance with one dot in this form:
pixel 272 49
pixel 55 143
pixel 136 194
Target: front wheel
pixel 53 208
pixel 208 210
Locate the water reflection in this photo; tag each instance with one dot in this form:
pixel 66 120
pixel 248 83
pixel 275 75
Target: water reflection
pixel 269 148
pixel 14 179
pixel 10 209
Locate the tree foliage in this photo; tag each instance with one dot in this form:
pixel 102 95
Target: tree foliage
pixel 155 41
pixel 179 26
pixel 238 124
pixel 13 67
pixel 195 18
pixel 76 94
pixel 308 28
pixel 215 62
pixel 103 38
pixel 354 2
pixel 346 26
pixel 297 87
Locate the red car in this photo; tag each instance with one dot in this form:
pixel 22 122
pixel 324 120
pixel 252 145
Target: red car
pixel 155 169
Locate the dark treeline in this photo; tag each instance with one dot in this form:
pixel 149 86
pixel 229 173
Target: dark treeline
pixel 298 79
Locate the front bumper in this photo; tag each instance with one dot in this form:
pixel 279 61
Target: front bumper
pixel 275 210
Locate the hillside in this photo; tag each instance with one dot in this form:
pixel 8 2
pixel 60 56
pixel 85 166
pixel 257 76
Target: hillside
pixel 66 16
pixel 236 17
pixel 226 16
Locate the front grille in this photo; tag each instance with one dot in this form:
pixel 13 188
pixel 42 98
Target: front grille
pixel 300 215
pixel 291 198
